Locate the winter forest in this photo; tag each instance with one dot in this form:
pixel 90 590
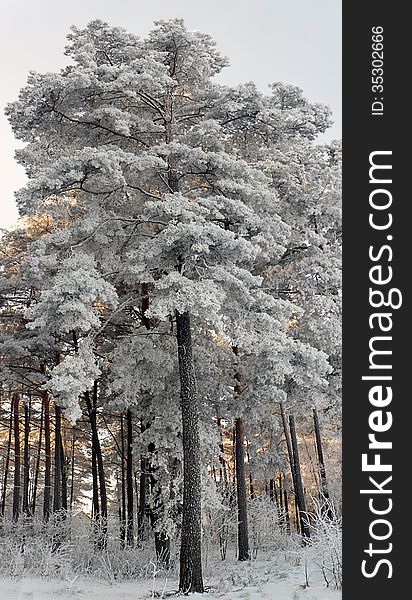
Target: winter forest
pixel 170 336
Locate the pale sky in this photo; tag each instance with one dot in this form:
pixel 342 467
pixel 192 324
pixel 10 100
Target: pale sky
pixel 294 41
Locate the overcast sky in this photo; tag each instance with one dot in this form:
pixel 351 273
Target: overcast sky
pixel 294 41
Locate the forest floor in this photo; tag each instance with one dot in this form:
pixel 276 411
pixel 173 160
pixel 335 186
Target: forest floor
pixel 276 579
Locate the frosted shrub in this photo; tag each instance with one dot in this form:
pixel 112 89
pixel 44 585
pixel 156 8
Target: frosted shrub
pixel 66 547
pixel 326 541
pixel 220 528
pixel 266 529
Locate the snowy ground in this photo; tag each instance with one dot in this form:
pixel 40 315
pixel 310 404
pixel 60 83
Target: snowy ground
pixel 258 580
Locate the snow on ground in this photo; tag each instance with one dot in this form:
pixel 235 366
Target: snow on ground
pixel 258 580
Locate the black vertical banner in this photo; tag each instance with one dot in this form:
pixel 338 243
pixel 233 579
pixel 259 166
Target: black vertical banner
pixel 377 358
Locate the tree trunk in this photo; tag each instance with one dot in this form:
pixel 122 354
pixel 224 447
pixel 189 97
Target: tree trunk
pixel 274 496
pixel 17 457
pixel 72 470
pixel 191 579
pixel 251 484
pixel 129 480
pixel 96 447
pixel 47 453
pixel 57 496
pixel 322 470
pixel 143 488
pixel 243 540
pixel 287 515
pixel 95 484
pixel 162 540
pixel 143 483
pixel 280 490
pixel 7 465
pixel 288 445
pixel 144 463
pixel 37 468
pixel 297 516
pixel 223 467
pixel 26 458
pixel 63 460
pixel 122 509
pixel 300 496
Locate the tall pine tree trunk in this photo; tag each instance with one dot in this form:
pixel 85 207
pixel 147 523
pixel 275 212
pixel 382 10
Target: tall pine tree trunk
pixel 243 540
pixel 123 484
pixel 97 450
pixel 17 456
pixel 57 492
pixel 63 460
pixel 287 515
pixel 191 579
pixel 143 483
pixel 322 470
pixel 7 465
pixel 129 479
pixel 95 484
pixel 288 445
pixel 300 495
pixel 37 467
pixel 26 458
pixel 143 489
pixel 72 459
pixel 47 458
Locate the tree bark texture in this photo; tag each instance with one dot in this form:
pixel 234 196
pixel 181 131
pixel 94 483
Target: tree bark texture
pixel 129 480
pixel 191 579
pixel 7 465
pixel 243 539
pixel 300 495
pixel 17 456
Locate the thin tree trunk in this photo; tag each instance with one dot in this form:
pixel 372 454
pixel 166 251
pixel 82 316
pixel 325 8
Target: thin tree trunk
pixel 251 485
pixel 37 468
pixel 297 516
pixel 288 445
pixel 223 467
pixel 143 483
pixel 63 460
pixel 129 480
pixel 272 491
pixel 47 453
pixel 274 496
pixel 243 540
pixel 287 515
pixel 136 486
pixel 7 465
pixel 143 488
pixel 322 470
pixel 280 489
pixel 95 484
pixel 123 480
pixel 300 496
pixel 92 411
pixel 72 458
pixel 162 540
pixel 26 458
pixel 17 457
pixel 191 579
pixel 57 496
pixel 144 462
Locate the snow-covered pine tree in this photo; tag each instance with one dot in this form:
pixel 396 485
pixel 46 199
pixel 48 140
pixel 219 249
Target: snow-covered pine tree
pixel 163 194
